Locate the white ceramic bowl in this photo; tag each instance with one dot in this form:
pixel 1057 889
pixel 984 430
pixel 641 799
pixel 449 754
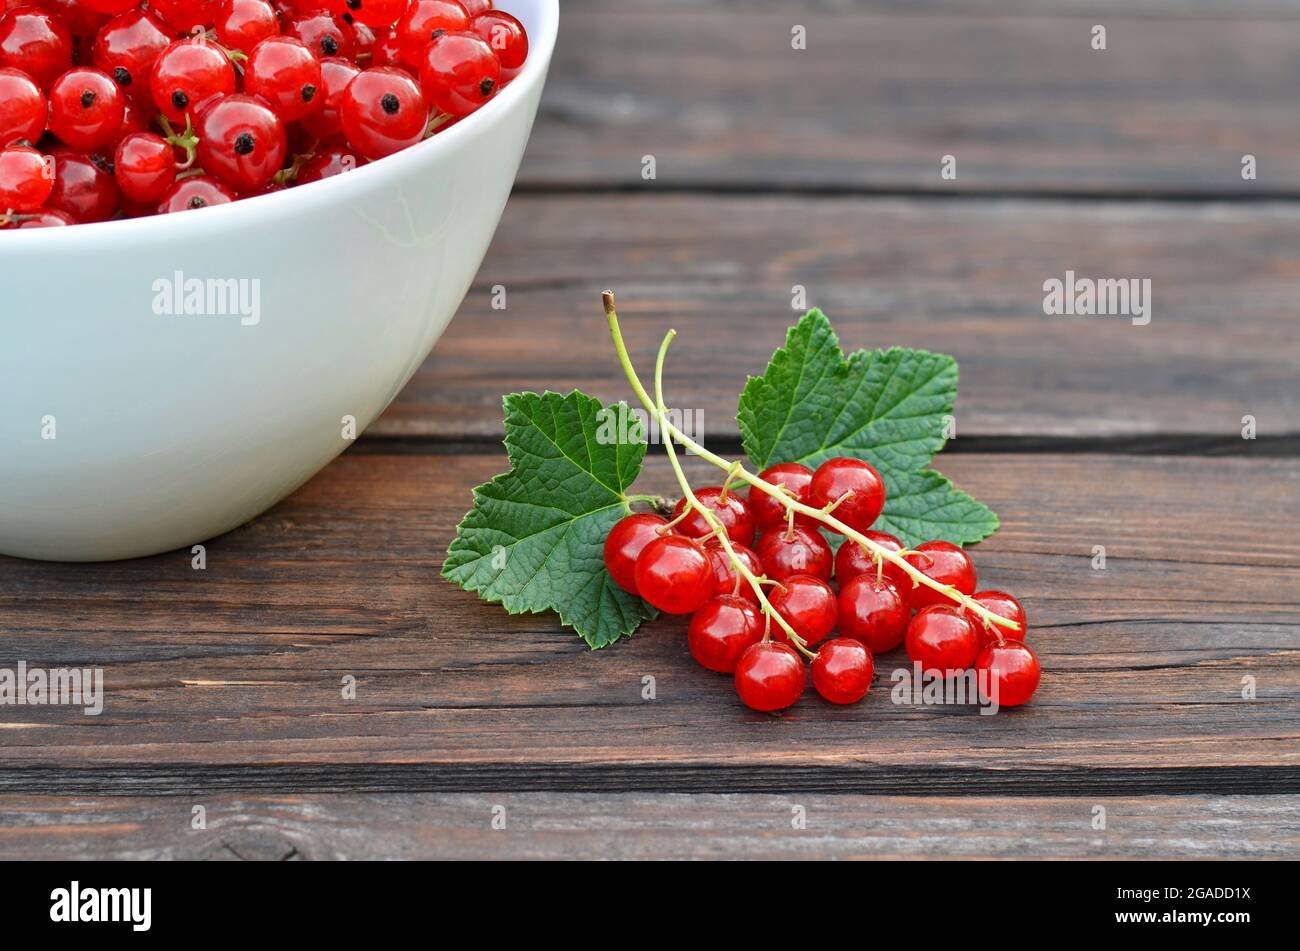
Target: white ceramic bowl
pixel 126 430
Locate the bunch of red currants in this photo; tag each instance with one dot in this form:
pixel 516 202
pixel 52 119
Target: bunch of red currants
pixel 735 590
pixel 121 108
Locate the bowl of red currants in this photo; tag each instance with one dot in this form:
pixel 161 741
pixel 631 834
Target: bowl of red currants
pixel 230 231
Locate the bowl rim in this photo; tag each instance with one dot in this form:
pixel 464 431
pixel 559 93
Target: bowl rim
pixel 285 203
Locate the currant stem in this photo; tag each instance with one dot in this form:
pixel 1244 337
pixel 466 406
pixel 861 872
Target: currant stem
pixel 775 491
pixel 719 530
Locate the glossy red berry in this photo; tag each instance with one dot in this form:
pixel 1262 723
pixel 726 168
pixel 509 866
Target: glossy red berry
pixel 184 15
pixel 842 670
pixel 325 123
pixel 941 638
pixel 145 167
pixel 375 12
pixel 26 179
pixel 382 112
pixel 424 19
pixel 769 513
pixel 241 141
pixel 329 161
pixel 136 116
pixel 725 577
pixel 285 73
pixel 857 487
pixel 673 573
pixel 508 39
pixel 387 52
pixel 475 7
pixel 733 512
pixel 459 73
pixel 723 629
pixel 84 186
pixel 23 107
pixel 808 605
pixel 624 544
pixel 109 7
pixel 45 218
pixel 1012 672
pixel 186 75
pixel 81 21
pixel 127 46
pixel 770 676
pixel 802 552
pixel 37 42
pixel 851 560
pixel 323 34
pixel 1003 605
pixel 945 563
pixel 873 612
pixel 86 108
pixel 242 24
pixel 190 194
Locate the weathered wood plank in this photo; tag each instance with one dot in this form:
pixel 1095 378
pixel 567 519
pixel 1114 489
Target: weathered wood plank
pixel 241 665
pixel 644 826
pixel 959 277
pixel 716 93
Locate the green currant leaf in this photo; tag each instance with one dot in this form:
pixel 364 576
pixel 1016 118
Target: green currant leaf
pixel 885 406
pixel 534 540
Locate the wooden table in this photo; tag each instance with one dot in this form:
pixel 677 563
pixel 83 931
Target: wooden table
pixel 775 167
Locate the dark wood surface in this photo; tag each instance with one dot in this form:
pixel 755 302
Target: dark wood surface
pixel 775 169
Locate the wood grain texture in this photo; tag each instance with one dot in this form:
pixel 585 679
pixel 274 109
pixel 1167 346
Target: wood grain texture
pixel 230 678
pixel 964 278
pixel 643 826
pixel 716 93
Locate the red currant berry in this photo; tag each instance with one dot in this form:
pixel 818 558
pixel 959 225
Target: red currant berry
pixel 26 179
pixel 673 573
pixel 940 638
pixel 1009 671
pixel 323 34
pixel 190 194
pixel 476 7
pixel 722 630
pixel 184 15
pixel 365 39
pixel 769 513
pixel 624 544
pixel 1003 605
pixel 770 676
pixel 241 141
pixel 375 12
pixel 45 218
pixel 144 166
pixel 733 512
pixel 459 73
pixel 81 21
pixel 801 552
pixel 136 116
pixel 329 161
pixel 382 112
pixel 851 561
pixel 22 107
pixel 725 578
pixel 387 51
pixel 945 563
pixel 37 42
pixel 808 605
pixel 286 74
pixel 842 670
pixel 84 186
pixel 187 74
pixel 423 20
pixel 242 24
pixel 110 7
pixel 126 47
pixel 508 39
pixel 873 612
pixel 853 481
pixel 325 123
pixel 86 108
